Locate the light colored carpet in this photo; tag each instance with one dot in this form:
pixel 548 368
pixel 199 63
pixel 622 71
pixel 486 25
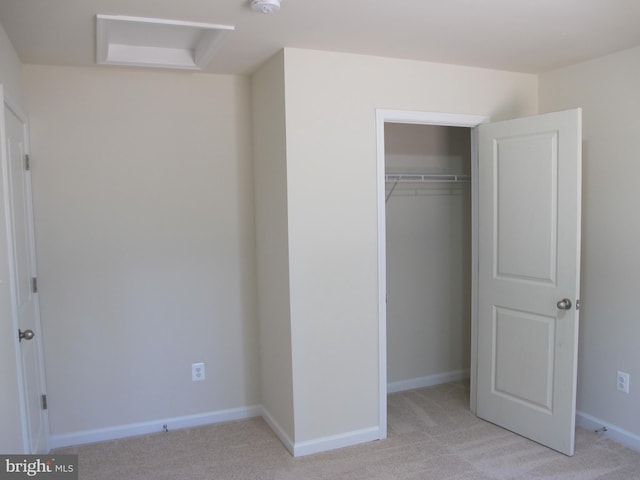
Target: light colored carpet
pixel 432 435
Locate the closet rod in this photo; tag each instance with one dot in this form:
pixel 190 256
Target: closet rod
pixel 425 177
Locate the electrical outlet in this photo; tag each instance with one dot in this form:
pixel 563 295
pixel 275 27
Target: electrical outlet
pixel 197 372
pixel 622 381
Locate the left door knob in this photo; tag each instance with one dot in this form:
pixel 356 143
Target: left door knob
pixel 26 335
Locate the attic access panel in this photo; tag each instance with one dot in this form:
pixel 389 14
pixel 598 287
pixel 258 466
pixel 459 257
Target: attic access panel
pixel 153 42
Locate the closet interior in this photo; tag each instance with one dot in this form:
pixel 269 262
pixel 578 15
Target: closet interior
pixel 428 237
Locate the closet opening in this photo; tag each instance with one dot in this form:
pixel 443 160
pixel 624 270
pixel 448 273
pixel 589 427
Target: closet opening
pixel 427 249
pixel 428 253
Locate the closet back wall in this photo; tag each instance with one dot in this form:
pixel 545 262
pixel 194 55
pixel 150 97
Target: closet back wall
pixel 428 257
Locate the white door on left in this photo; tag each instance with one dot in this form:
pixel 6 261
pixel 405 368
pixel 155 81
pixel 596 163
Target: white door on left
pixel 26 310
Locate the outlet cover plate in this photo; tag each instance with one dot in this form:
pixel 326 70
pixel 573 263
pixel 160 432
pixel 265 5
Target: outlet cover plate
pixel 197 372
pixel 622 381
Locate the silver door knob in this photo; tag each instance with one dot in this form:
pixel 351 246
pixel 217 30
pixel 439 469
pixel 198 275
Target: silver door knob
pixel 564 304
pixel 26 335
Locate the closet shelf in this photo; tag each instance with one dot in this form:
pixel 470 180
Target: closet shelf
pixel 425 177
pixel 397 178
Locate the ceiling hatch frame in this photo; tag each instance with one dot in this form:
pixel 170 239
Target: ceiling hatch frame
pixel 159 43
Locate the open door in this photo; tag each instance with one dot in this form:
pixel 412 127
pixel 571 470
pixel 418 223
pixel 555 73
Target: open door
pixel 529 187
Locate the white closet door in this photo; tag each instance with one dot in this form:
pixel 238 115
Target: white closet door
pixel 529 249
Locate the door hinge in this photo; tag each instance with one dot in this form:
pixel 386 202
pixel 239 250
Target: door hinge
pixel 27 163
pixel 43 401
pixel 34 285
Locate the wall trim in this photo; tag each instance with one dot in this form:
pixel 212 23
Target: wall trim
pixel 153 426
pixel 278 430
pixel 309 447
pixel 428 381
pixel 333 442
pixel 613 432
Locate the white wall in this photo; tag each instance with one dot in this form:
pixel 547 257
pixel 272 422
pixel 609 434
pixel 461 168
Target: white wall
pixel 607 90
pixel 145 241
pixel 11 431
pixel 331 173
pixel 270 184
pixel 428 234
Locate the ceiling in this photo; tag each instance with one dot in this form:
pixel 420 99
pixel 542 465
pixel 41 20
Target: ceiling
pixel 530 36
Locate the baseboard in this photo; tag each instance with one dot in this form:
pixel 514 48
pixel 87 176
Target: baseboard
pixel 300 449
pixel 613 432
pixel 333 442
pixel 154 426
pixel 428 381
pixel 278 430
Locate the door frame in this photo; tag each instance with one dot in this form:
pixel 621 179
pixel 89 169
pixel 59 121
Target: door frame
pixel 422 118
pixel 9 104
